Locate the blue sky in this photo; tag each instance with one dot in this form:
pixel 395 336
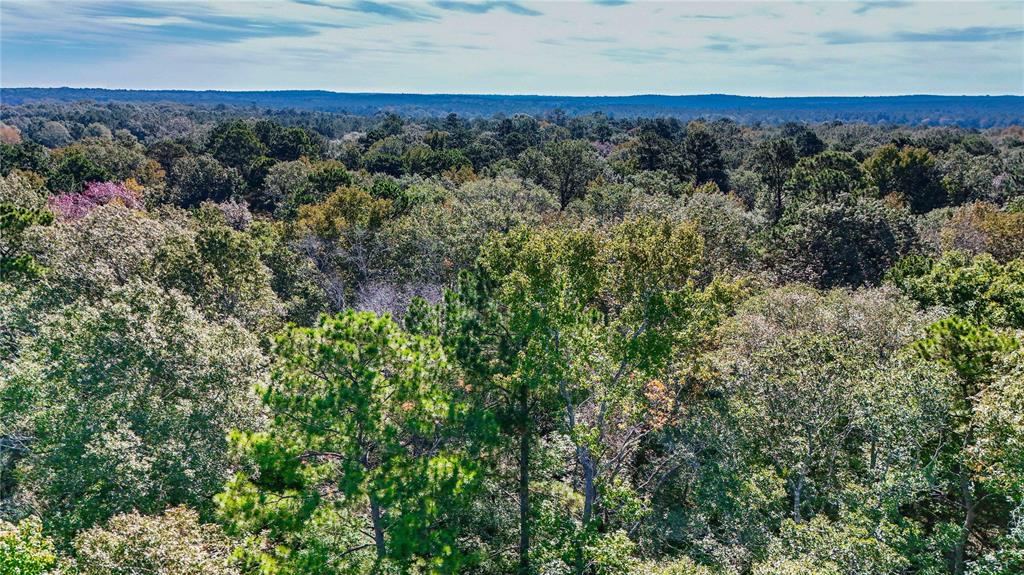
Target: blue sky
pixel 583 47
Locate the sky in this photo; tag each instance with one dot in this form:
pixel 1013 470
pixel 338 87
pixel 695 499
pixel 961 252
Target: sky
pixel 582 47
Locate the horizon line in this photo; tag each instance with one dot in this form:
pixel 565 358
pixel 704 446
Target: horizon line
pixel 500 94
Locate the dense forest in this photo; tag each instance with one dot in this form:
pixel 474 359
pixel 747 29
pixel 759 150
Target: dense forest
pixel 930 110
pixel 239 342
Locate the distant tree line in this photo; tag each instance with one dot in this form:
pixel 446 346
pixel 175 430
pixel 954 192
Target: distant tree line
pixel 924 110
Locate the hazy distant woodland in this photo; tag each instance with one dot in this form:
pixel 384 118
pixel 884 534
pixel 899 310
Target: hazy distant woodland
pixel 968 111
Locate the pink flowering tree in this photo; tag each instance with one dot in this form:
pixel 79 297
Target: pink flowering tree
pixel 74 206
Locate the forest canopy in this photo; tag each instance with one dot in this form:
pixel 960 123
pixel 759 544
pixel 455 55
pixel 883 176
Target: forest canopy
pixel 247 341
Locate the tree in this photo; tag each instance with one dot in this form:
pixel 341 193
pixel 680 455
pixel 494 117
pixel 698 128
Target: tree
pixel 700 157
pixel 87 257
pixel 340 236
pixel 328 176
pixel 807 143
pixel 561 324
pixel 651 150
pixel 53 134
pixel 824 178
pixel 424 160
pixel 15 262
pixel 74 206
pixel 286 187
pixel 119 160
pixel 235 145
pixel 172 543
pixel 846 547
pixel 165 152
pixel 385 156
pixel 360 414
pixel 440 234
pixel 975 287
pixel 216 267
pixel 773 160
pixel 290 144
pixel 823 392
pixel 27 155
pixel 97 130
pixel 24 550
pixel 909 173
pixel 294 279
pixel 23 190
pixel 976 343
pixel 72 169
pixel 126 404
pixel 483 151
pixel 194 179
pixel 220 270
pixel 982 227
pixel 969 178
pixel 535 166
pixel 9 134
pixel 972 351
pixel 849 241
pixel 574 163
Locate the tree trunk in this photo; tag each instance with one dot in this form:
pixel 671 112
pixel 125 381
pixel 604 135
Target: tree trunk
pixel 378 528
pixel 524 481
pixel 777 212
pixel 589 499
pixel 970 513
pixel 798 488
pixel 589 489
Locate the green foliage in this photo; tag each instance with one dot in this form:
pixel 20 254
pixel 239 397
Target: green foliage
pixel 24 550
pixel 327 177
pixel 569 330
pixel 849 241
pixel 969 348
pixel 71 169
pixel 849 547
pixel 15 263
pixel 361 410
pixel 825 177
pixel 235 145
pixel 908 173
pixel 700 157
pixel 126 403
pixel 173 543
pixel 220 270
pixel 684 566
pixel 978 288
pixel 26 155
pixel 619 378
pixel 120 161
pixel 573 164
pixel 441 232
pixel 967 177
pixel 822 389
pixel 773 161
pixel 1008 556
pixel 297 283
pixel 195 179
pixel 975 342
pixel 284 187
pixel 24 190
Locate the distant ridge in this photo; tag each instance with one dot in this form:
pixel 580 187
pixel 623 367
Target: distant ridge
pixel 971 111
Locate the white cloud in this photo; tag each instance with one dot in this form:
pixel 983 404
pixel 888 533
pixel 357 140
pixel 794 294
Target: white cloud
pixel 755 48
